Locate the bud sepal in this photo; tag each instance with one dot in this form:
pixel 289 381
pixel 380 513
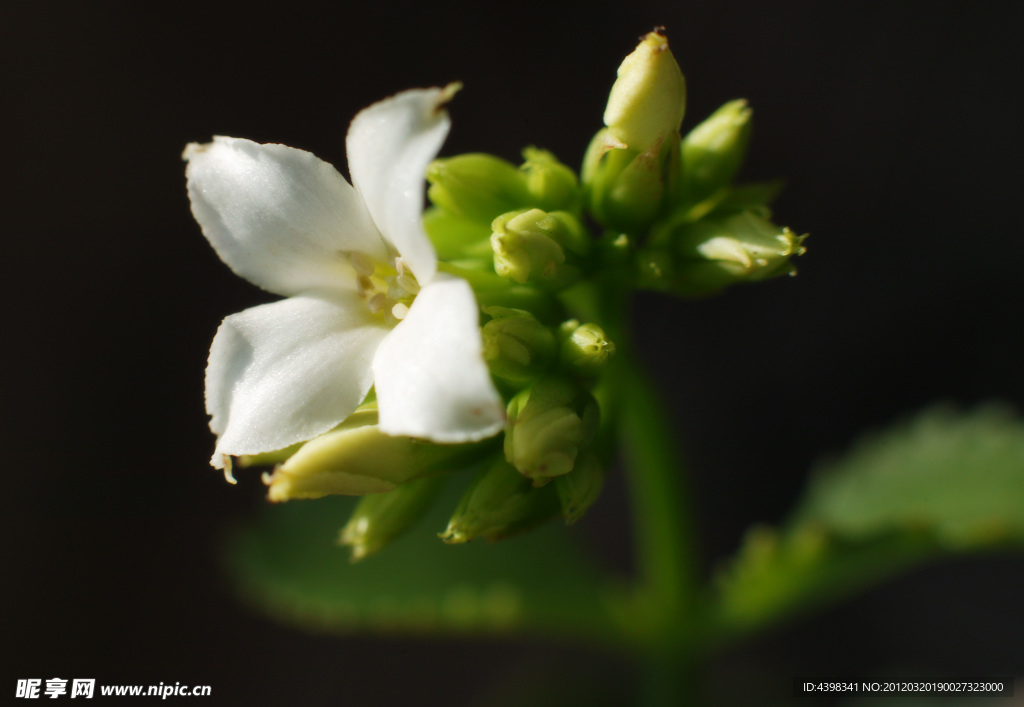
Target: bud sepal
pixel 499 502
pixel 548 425
pixel 356 458
pixel 713 152
pixel 380 518
pixel 531 245
pixel 517 347
pixel 585 348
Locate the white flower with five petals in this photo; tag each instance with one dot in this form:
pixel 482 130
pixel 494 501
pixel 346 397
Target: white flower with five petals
pixel 366 305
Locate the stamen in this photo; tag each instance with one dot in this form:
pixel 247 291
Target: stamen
pixel 408 283
pixel 362 264
pixel 399 311
pixel 377 302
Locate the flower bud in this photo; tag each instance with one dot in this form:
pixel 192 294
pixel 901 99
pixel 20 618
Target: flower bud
pixel 578 489
pixel 552 186
pixel 477 186
pixel 548 424
pixel 585 347
pixel 456 237
pixel 517 347
pixel 356 458
pixel 714 150
pixel 380 518
pixel 530 245
pixel 498 503
pixel 648 99
pixel 630 188
pixel 725 249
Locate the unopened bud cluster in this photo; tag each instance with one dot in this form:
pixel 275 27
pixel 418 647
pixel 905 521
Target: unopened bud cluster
pixel 671 218
pixel 694 230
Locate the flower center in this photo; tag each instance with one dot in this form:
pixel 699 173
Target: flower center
pixel 387 288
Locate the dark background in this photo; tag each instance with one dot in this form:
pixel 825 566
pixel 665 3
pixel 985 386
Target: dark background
pixel 896 125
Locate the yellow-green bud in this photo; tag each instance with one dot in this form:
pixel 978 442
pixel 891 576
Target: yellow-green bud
pixel 648 99
pixel 517 347
pixel 356 458
pixel 585 347
pixel 380 518
pixel 552 185
pixel 578 489
pixel 548 424
pixel 530 245
pixel 498 503
pixel 477 186
pixel 721 250
pixel 714 150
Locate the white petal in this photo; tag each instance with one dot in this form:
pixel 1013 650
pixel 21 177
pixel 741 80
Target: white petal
pixel 285 372
pixel 279 217
pixel 389 147
pixel 431 378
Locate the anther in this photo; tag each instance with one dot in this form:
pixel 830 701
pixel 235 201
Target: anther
pixel 377 302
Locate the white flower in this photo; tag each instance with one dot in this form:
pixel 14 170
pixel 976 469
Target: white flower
pixel 365 303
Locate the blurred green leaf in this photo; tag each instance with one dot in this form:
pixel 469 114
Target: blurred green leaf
pixel 958 476
pixel 288 565
pixel 942 483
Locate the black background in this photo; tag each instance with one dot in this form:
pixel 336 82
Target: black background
pixel 896 125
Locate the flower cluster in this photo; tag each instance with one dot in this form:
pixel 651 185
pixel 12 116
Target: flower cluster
pixel 411 345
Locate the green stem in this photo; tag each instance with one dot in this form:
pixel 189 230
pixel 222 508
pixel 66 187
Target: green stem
pixel 661 509
pixel 664 605
pixel 661 617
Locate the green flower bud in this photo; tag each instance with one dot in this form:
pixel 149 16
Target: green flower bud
pixel 548 424
pixel 356 458
pixel 499 503
pixel 634 197
pixel 517 347
pixel 530 245
pixel 721 250
pixel 585 347
pixel 714 150
pixel 380 518
pixel 578 489
pixel 552 185
pixel 648 99
pixel 627 189
pixel 456 237
pixel 477 186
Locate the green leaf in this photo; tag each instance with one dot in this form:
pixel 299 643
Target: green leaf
pixel 958 476
pixel 288 565
pixel 943 483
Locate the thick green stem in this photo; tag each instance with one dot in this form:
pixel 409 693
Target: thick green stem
pixel 661 512
pixel 661 618
pixel 665 602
